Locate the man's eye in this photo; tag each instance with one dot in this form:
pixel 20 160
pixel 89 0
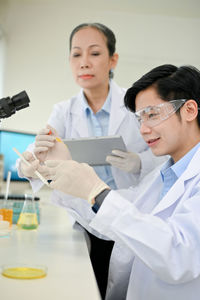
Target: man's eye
pixel 95 53
pixel 139 119
pixel 153 115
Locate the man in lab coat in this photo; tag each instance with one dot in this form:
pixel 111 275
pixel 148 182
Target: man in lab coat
pixel 159 220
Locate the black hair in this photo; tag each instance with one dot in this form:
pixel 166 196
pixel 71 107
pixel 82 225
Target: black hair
pixel 170 83
pixel 108 33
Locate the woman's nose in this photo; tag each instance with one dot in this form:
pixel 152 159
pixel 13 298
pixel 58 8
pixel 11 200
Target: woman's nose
pixel 84 66
pixel 85 62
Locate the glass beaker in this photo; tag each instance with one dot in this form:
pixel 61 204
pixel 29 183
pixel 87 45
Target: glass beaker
pixel 6 210
pixel 28 216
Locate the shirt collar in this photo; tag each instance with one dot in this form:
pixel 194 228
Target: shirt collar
pixel 180 166
pixel 106 107
pixel 166 167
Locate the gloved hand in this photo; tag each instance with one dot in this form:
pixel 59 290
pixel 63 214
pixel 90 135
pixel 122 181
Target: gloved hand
pixel 125 161
pixel 29 171
pixel 76 179
pixel 48 146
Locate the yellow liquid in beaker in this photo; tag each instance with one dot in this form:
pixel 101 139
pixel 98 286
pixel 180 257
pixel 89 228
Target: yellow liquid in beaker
pixel 24 272
pixel 27 221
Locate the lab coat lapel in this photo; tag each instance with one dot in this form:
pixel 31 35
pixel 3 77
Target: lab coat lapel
pixel 118 110
pixel 178 188
pixel 78 118
pixel 171 197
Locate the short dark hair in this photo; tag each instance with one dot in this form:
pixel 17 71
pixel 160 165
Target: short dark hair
pixel 170 83
pixel 107 32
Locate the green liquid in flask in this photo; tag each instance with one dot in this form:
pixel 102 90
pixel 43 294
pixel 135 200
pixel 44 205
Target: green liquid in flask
pixel 27 221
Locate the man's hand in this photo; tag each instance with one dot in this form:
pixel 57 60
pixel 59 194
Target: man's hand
pixel 76 179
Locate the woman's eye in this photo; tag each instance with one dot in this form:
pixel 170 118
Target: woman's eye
pixel 76 54
pixel 95 53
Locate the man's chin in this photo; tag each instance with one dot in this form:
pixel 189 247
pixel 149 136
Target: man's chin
pixel 158 152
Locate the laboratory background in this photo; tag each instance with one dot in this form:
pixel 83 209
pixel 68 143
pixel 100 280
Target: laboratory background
pixel 34 46
pixel 34 51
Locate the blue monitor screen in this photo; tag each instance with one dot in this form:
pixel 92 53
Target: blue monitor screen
pixel 8 140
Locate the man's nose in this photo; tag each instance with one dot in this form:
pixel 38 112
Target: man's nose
pixel 144 128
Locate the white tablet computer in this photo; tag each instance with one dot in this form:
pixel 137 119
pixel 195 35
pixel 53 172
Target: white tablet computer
pixel 93 150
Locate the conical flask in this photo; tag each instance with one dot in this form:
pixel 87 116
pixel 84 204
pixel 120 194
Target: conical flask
pixel 28 216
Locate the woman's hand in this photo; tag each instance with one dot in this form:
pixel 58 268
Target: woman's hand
pixel 34 165
pixel 125 161
pixel 49 146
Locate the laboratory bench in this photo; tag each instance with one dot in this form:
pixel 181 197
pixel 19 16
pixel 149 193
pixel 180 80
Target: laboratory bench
pixel 55 245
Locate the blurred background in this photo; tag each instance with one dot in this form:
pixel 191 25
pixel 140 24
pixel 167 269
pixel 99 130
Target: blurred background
pixel 34 46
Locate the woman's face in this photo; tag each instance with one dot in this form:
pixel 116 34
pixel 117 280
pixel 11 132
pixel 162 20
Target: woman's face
pixel 89 58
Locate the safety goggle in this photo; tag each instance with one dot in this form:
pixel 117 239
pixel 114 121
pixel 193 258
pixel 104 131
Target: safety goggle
pixel 153 115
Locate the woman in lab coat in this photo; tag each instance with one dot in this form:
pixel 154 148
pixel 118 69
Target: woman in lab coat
pixel 70 118
pixel 97 110
pixel 159 224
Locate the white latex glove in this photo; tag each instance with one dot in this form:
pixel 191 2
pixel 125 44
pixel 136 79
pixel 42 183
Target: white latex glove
pixel 48 146
pixel 29 171
pixel 125 161
pixel 76 179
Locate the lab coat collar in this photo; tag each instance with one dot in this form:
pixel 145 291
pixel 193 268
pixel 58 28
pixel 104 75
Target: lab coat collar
pixel 78 116
pixel 78 104
pixel 116 118
pixel 178 188
pixel 117 106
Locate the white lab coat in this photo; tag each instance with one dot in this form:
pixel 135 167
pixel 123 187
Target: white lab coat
pixel 163 236
pixel 69 119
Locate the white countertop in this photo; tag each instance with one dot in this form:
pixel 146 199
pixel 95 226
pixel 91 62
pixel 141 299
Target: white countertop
pixel 59 247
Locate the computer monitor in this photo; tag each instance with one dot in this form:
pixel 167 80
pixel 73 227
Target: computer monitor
pixel 8 140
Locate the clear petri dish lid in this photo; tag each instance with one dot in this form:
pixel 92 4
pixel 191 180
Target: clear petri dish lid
pixel 4 228
pixel 24 271
pixel 4 224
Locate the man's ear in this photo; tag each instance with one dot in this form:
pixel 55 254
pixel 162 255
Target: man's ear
pixel 190 110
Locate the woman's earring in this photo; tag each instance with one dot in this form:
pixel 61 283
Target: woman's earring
pixel 111 73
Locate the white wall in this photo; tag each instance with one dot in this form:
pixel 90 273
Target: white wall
pixel 149 33
pixel 2 60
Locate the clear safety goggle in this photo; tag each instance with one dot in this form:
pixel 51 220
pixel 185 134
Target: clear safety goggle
pixel 153 115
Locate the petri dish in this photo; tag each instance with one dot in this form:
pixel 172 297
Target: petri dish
pixel 21 271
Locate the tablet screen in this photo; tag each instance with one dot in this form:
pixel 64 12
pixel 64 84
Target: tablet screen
pixel 93 150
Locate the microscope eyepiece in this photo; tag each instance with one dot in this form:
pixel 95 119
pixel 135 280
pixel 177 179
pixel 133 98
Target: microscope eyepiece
pixel 8 106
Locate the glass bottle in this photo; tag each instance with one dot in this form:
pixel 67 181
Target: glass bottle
pixel 28 216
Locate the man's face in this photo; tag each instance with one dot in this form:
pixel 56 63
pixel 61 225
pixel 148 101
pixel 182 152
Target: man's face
pixel 166 138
